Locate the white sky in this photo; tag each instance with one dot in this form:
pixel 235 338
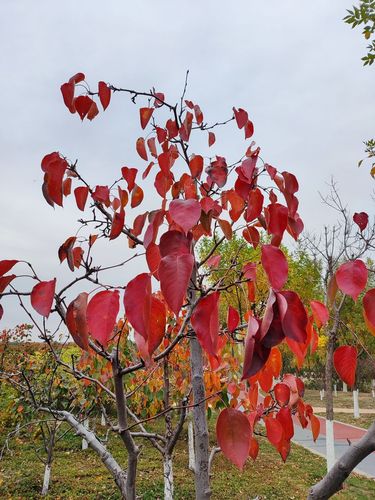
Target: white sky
pixel 294 65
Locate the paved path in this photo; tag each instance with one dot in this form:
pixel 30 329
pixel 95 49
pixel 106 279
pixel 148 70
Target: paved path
pixel 343 433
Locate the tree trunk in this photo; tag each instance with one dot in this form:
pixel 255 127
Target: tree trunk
pixel 168 477
pixel 46 478
pixel 355 453
pixel 330 444
pixel 84 442
pixel 202 480
pixel 114 468
pixel 356 413
pixel 132 449
pixel 191 445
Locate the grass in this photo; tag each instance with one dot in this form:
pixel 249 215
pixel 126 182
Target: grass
pixel 80 474
pixel 342 400
pixel 364 421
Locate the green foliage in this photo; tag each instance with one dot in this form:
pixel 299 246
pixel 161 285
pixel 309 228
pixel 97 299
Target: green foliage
pixel 364 14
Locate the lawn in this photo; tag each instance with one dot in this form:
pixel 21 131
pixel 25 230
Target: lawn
pixel 342 400
pixel 79 474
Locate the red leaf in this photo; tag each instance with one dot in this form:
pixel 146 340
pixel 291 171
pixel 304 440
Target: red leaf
pixel 42 297
pixel 185 128
pixel 137 302
pixel 137 196
pixel 256 354
pixel 369 310
pixel 233 433
pixel 101 195
pixel 67 186
pixel 141 148
pixel 174 242
pixel 211 139
pixel 254 205
pixel 361 219
pixel 81 194
pixel 93 111
pixel 104 94
pixel 241 117
pixel 213 262
pixel 285 418
pixel 157 324
pixel 205 322
pixel 153 259
pixel 145 115
pixel 6 265
pixel 254 448
pixel 54 168
pixel 345 362
pixel 185 213
pixel 117 224
pixel 249 129
pixel 76 321
pixel 282 394
pixel 293 316
pixel 174 274
pixel 226 227
pixel 233 319
pixel 196 166
pixel 163 183
pixel 275 266
pixel 251 234
pixel 274 430
pixel 101 315
pixel 5 280
pixel 351 278
pixel 83 104
pixel 77 78
pixel 152 147
pixel 129 174
pixel 67 90
pixel 77 256
pixel 315 427
pixel 320 313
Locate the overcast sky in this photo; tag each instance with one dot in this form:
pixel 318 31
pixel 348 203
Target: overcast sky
pixel 294 65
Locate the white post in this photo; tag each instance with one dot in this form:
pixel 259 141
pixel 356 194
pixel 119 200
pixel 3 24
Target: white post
pixel 102 421
pixel 335 389
pixel 168 478
pixel 356 404
pixel 191 445
pixel 344 387
pixel 330 445
pixel 47 475
pixel 85 444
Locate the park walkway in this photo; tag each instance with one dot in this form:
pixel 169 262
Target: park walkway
pixel 345 436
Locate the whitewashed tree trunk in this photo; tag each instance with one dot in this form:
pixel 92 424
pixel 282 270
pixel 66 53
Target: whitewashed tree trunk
pixel 344 387
pixel 46 479
pixel 330 445
pixel 168 477
pixel 102 421
pixel 191 445
pixel 373 393
pixel 84 442
pixel 356 404
pixel 321 395
pixel 335 390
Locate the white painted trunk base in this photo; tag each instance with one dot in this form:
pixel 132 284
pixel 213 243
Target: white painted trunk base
pixel 102 421
pixel 330 445
pixel 47 476
pixel 85 444
pixel 191 445
pixel 168 478
pixel 344 387
pixel 356 404
pixel 335 390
